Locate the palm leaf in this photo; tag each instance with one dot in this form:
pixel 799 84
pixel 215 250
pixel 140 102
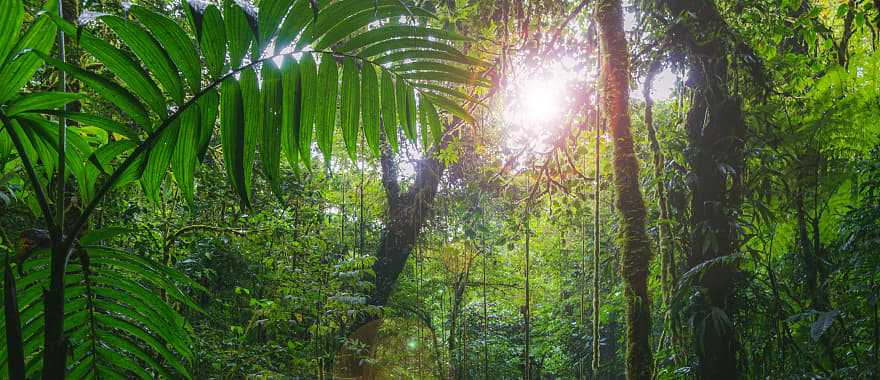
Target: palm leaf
pixel 370 107
pixel 349 109
pixel 232 134
pixel 291 109
pixel 327 90
pixel 298 102
pixel 309 109
pixel 113 318
pixel 271 130
pixel 389 110
pixel 175 41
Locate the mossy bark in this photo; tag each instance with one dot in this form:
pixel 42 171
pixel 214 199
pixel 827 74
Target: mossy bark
pixel 715 132
pixel 634 242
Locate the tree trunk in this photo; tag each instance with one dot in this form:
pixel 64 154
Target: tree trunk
pixel 665 234
pixel 457 300
pixel 714 130
pixel 407 214
pixel 636 250
pixel 55 343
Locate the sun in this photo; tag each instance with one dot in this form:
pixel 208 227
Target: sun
pixel 537 101
pixel 542 100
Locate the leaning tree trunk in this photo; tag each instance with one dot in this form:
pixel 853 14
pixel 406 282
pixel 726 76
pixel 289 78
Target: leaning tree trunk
pixel 407 214
pixel 636 249
pixel 715 130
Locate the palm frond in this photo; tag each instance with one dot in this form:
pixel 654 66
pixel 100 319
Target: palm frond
pixel 335 55
pixel 115 319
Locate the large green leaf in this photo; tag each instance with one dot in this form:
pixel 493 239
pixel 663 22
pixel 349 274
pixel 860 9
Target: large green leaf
pixel 424 125
pixel 434 123
pixel 388 32
pixel 326 94
pixel 11 17
pixel 104 123
pixel 411 54
pixel 309 115
pixel 299 15
pixel 19 68
pixel 253 125
pixel 185 156
pixel 437 76
pixel 122 98
pixel 445 91
pixel 269 18
pixel 358 21
pixel 40 101
pixel 406 108
pixel 113 315
pixel 158 160
pixel 451 107
pixel 208 107
pixel 387 46
pixel 370 107
pixel 103 156
pixel 44 135
pixel 428 66
pixel 121 64
pixel 291 109
pixel 349 109
pixel 213 41
pixel 133 172
pixel 389 110
pixel 271 130
pixel 176 43
pixel 150 53
pixel 240 24
pixel 232 133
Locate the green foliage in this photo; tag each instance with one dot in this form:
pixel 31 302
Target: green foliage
pixel 174 93
pixel 238 101
pixel 168 54
pixel 115 320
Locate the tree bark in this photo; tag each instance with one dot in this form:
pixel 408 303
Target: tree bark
pixel 665 234
pixel 458 298
pixel 636 249
pixel 407 214
pixel 715 129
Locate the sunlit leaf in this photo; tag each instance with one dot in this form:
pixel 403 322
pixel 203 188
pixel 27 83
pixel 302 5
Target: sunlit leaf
pixel 349 109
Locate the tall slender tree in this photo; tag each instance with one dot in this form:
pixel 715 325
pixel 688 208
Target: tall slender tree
pixel 635 246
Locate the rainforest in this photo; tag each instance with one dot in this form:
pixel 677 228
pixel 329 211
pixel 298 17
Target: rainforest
pixel 440 189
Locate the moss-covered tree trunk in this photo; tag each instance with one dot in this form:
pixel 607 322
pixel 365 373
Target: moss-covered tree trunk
pixel 635 246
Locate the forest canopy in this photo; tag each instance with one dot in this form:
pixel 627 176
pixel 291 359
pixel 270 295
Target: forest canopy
pixel 440 189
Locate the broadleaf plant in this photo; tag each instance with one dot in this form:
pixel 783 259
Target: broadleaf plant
pixel 271 76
